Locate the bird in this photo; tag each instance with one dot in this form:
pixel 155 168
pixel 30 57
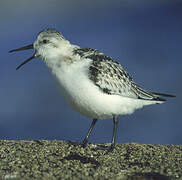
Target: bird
pixel 91 83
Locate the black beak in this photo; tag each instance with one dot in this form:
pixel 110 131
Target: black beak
pixel 21 49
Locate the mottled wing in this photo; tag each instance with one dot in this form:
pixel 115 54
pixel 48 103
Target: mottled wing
pixel 111 77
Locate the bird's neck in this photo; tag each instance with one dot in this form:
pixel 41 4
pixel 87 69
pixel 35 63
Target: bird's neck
pixel 60 58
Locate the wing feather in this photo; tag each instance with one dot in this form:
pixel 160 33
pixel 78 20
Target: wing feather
pixel 112 78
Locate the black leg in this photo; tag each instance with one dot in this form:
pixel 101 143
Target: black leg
pixel 85 141
pixel 115 122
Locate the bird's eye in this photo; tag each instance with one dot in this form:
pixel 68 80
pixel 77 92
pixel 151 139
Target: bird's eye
pixel 45 41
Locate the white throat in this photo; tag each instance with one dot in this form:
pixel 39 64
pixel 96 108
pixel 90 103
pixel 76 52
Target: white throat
pixel 61 54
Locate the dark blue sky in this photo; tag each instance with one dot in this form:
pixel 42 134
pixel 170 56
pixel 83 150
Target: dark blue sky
pixel 144 36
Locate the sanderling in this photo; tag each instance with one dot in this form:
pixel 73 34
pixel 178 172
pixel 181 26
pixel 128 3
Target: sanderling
pixel 92 83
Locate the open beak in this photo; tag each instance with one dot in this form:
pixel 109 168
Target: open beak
pixel 21 49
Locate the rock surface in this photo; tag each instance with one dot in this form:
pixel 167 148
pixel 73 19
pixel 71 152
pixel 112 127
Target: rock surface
pixel 52 160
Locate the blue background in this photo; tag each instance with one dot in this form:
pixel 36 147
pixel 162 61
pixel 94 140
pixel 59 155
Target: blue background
pixel 144 36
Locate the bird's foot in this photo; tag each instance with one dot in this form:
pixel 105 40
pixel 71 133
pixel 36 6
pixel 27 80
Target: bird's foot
pixel 84 143
pixel 74 143
pixel 105 147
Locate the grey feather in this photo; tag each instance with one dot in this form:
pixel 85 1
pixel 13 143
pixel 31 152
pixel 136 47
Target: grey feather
pixel 111 77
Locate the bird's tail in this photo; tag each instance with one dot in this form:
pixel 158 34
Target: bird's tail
pixel 157 96
pixel 150 95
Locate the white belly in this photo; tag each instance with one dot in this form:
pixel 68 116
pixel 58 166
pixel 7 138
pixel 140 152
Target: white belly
pixel 85 97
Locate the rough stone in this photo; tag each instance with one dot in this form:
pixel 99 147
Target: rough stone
pixel 52 160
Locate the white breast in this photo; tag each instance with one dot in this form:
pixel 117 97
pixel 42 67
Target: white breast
pixel 85 97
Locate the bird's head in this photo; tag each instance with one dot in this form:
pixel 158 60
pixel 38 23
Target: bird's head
pixel 48 44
